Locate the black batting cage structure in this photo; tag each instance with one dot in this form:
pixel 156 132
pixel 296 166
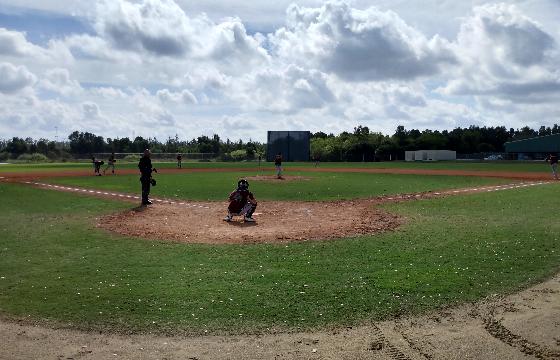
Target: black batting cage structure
pixel 293 145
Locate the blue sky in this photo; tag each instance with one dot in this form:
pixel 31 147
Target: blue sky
pixel 164 67
pixel 41 26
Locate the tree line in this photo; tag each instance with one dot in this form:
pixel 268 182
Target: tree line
pixel 360 145
pixel 365 145
pixel 86 144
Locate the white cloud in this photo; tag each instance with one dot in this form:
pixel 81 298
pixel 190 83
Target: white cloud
pixel 88 47
pixel 14 43
pixel 504 53
pixel 91 110
pixel 205 76
pixel 229 44
pixel 15 78
pixel 185 96
pixel 161 28
pixel 58 80
pixel 358 45
pixel 15 47
pixel 156 26
pixel 289 89
pixel 108 93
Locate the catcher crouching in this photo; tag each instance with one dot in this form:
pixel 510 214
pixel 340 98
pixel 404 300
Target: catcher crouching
pixel 241 203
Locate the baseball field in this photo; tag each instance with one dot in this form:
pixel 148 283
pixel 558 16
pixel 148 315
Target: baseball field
pixel 334 246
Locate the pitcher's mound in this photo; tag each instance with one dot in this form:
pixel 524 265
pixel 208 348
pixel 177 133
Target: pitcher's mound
pixel 275 222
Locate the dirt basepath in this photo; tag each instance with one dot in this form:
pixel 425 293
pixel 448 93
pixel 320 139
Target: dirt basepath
pixel 521 326
pixel 492 174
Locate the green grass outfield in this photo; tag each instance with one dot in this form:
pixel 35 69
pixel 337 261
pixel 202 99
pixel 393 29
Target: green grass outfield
pixel 318 186
pixel 505 166
pixel 55 265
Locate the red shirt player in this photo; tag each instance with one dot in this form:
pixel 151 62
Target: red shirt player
pixel 241 202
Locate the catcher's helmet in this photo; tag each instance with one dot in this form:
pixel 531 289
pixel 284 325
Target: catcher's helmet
pixel 243 184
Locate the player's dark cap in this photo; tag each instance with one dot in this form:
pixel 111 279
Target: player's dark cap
pixel 243 184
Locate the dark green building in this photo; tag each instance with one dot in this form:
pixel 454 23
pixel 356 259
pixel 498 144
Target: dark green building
pixel 293 145
pixel 534 148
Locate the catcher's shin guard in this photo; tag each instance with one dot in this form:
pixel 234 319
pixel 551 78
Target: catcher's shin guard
pixel 248 209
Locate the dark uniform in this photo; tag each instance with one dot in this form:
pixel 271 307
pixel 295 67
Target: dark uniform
pixel 145 166
pixel 97 166
pixel 553 161
pixel 179 161
pixel 111 164
pixel 278 165
pixel 241 202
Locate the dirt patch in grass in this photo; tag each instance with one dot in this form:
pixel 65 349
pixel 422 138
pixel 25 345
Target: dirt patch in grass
pixel 202 222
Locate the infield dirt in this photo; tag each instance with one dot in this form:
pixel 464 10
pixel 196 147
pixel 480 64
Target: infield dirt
pixel 276 221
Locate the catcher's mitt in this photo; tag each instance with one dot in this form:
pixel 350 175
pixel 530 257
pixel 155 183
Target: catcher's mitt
pixel 153 182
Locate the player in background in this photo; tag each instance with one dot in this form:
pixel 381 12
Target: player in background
pixel 316 160
pixel 110 164
pixel 278 165
pixel 179 161
pixel 241 202
pixel 96 166
pixel 552 159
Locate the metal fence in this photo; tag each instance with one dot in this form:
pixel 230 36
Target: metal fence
pixel 154 156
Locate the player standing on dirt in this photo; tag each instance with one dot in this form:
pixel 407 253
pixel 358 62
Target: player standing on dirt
pixel 241 202
pixel 552 159
pixel 278 165
pixel 110 164
pixel 145 166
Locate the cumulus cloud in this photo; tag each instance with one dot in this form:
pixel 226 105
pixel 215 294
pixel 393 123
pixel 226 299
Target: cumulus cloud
pixel 185 96
pixel 59 81
pixel 89 47
pixel 27 115
pixel 15 78
pixel 241 122
pixel 109 93
pixel 14 43
pixel 358 45
pixel 209 77
pixel 157 26
pixel 504 53
pixel 161 28
pixel 289 89
pixel 228 43
pixel 405 95
pixel 91 110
